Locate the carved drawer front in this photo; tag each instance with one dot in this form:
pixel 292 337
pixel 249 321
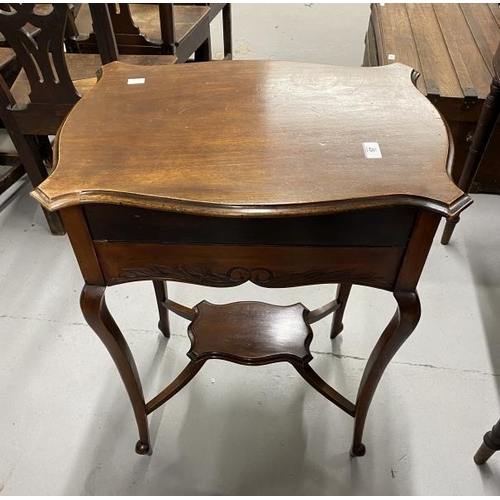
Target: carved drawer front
pixel 264 265
pixel 384 227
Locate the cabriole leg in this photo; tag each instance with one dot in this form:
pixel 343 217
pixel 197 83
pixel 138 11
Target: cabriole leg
pixel 98 317
pixel 397 331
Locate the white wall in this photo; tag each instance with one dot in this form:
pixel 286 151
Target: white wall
pixel 322 33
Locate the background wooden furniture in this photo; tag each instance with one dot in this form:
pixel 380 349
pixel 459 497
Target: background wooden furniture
pixel 232 202
pixel 227 25
pixel 41 8
pixel 491 444
pixel 452 46
pixel 173 29
pixel 481 140
pixel 48 86
pixel 9 65
pixel 11 168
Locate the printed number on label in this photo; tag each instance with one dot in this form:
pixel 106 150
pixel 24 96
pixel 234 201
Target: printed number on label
pixel 372 150
pixel 136 81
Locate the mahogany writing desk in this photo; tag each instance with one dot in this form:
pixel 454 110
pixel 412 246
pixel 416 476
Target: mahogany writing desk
pixel 284 174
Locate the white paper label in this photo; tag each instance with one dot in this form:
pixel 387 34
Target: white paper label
pixel 391 57
pixel 136 81
pixel 372 150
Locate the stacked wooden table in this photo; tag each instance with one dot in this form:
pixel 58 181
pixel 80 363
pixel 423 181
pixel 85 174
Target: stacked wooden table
pixel 452 46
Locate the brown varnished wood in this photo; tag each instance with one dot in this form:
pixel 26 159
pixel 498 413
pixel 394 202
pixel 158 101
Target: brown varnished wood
pixel 495 12
pixel 157 29
pixel 9 174
pixel 401 326
pixel 227 27
pixel 44 9
pixel 11 168
pixel 484 29
pixel 437 66
pixel 470 70
pixel 417 251
pixel 343 291
pixel 83 70
pixel 250 333
pixel 232 265
pixel 182 311
pixel 46 69
pixel 186 17
pixel 161 294
pixel 97 315
pixel 9 65
pixel 104 35
pixel 28 151
pixel 215 205
pixel 175 386
pixel 370 57
pixel 146 19
pixel 290 122
pixel 491 444
pixel 481 140
pixel 167 28
pixel 393 36
pixel 30 29
pixel 254 333
pixel 323 311
pixel 313 379
pixel 451 45
pixel 387 227
pixel 398 330
pixel 196 38
pixel 48 85
pixel 82 244
pixel 55 89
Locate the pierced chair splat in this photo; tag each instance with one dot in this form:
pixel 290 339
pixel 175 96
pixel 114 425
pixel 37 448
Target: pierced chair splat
pixel 48 86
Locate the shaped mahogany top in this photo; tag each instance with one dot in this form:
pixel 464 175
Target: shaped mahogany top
pixel 255 138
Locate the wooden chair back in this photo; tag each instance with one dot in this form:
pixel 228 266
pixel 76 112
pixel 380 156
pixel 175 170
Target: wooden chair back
pixel 44 93
pixel 42 59
pixel 129 38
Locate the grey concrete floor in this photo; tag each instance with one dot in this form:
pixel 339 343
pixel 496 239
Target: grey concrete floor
pixel 66 426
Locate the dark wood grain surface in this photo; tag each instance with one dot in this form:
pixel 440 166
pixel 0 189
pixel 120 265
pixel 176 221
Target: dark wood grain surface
pixel 388 227
pixel 287 136
pixel 269 184
pixel 264 265
pixel 450 44
pixel 250 333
